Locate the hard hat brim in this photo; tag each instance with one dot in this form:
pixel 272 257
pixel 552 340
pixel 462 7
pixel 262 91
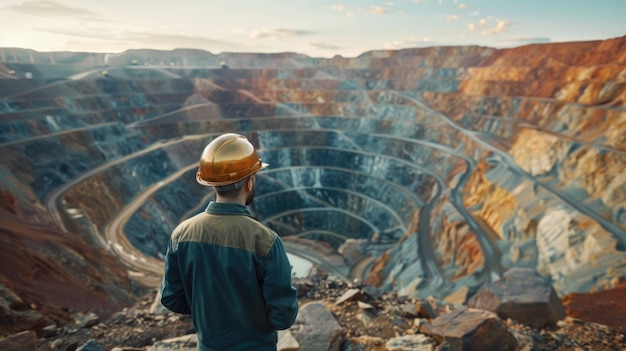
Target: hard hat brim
pixel 208 183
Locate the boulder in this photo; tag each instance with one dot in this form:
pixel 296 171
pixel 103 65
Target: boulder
pixel 286 341
pixel 522 295
pixel 473 330
pixel 316 329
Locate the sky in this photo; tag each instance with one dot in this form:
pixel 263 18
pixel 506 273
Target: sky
pixel 317 28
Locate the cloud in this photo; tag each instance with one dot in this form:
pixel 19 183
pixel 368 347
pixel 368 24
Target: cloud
pixel 452 18
pixel 83 32
pixel 475 13
pixel 341 8
pixel 172 39
pixel 354 11
pixel 499 28
pixel 350 12
pixel 377 10
pixel 50 8
pixel 278 33
pixel 325 46
pixel 461 6
pixel 141 39
pixel 408 42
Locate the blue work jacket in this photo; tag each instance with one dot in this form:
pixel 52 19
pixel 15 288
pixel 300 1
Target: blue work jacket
pixel 232 274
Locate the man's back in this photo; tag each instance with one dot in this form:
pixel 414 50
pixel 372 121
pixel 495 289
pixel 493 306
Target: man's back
pixel 232 274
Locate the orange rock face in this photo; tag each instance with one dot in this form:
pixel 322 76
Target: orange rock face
pixel 55 274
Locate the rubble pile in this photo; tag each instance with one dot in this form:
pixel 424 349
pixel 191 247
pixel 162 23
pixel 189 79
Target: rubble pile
pixel 349 316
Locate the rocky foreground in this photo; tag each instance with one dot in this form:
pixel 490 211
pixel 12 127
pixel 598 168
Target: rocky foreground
pixel 520 312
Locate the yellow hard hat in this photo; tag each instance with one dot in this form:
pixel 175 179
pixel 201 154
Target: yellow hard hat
pixel 228 159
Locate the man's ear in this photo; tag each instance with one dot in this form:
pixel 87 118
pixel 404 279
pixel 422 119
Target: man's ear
pixel 250 183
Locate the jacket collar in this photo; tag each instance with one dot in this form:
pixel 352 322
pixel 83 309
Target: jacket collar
pixel 221 208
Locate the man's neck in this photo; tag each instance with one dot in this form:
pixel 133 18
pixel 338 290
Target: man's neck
pixel 225 200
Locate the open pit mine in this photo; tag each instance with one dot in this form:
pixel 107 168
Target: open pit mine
pixel 429 172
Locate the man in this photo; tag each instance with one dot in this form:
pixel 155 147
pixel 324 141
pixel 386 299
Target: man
pixel 226 269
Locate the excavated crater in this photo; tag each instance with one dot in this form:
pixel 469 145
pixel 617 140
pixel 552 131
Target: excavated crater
pixel 425 171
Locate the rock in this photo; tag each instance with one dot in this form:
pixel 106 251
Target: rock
pixel 17 314
pixel 373 291
pixel 183 343
pixel 523 295
pixel 56 344
pixel 458 297
pixel 49 331
pixel 11 301
pixel 537 152
pixel 91 345
pixel 351 294
pixel 470 329
pixel 525 342
pixel 117 318
pixel 409 310
pixel 416 342
pixel 303 286
pixel 26 340
pixel 316 329
pixel 419 309
pixel 364 306
pixel 87 320
pixel 286 341
pixel 425 310
pixel 352 250
pixel 157 307
pixel 364 343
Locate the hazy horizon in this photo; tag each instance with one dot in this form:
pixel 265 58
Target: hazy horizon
pixel 314 28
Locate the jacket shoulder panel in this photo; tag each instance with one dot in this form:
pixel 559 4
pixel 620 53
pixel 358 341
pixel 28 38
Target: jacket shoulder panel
pixel 235 231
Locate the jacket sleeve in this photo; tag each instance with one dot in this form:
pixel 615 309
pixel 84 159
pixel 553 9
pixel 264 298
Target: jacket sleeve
pixel 172 291
pixel 281 297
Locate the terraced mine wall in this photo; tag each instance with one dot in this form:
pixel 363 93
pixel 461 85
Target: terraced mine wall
pixel 426 171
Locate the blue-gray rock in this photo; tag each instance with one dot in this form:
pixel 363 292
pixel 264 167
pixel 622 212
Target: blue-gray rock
pixel 91 345
pixel 316 329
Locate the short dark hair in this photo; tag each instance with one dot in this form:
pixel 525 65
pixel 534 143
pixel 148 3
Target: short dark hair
pixel 231 191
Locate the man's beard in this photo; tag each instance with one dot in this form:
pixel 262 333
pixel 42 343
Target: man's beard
pixel 250 197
